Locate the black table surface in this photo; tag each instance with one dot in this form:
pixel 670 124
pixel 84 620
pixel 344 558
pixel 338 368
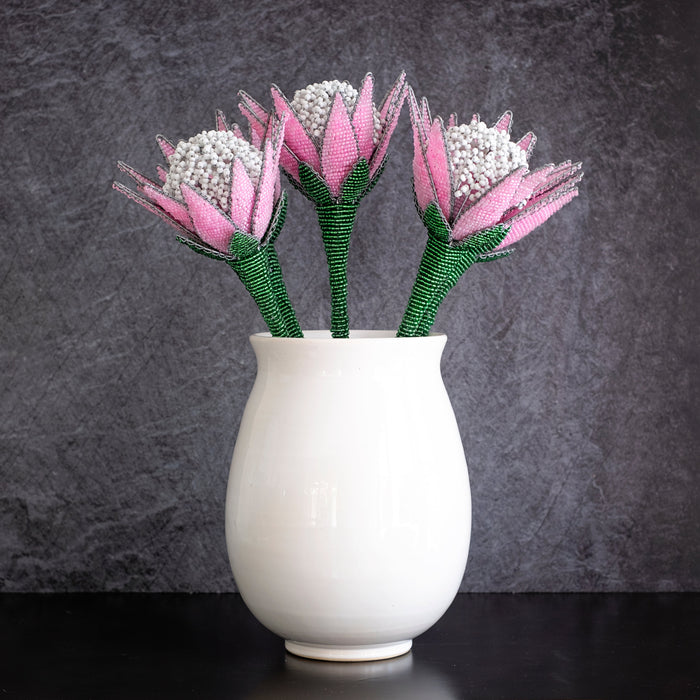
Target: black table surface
pixel 539 646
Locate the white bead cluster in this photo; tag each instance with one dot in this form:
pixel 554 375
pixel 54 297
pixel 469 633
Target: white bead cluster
pixel 313 103
pixel 204 162
pixel 480 157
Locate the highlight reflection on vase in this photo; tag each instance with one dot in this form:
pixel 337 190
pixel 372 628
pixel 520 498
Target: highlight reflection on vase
pixel 400 677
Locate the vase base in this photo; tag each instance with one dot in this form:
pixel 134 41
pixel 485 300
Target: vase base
pixel 364 652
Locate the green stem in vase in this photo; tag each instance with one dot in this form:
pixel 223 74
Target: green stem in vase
pixel 461 257
pixel 458 260
pixel 432 272
pixel 254 271
pixel 286 310
pixel 444 261
pixel 284 305
pixel 336 222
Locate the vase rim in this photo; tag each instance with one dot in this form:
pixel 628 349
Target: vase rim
pixel 323 335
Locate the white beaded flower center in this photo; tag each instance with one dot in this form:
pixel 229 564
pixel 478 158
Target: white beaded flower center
pixel 480 157
pixel 204 162
pixel 313 103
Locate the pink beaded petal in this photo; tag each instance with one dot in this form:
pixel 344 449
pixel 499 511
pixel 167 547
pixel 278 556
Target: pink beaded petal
pixel 153 208
pixel 504 122
pixel 257 132
pixel 170 205
pixel 522 226
pixel 538 177
pixel 242 196
pixel 257 127
pixel 254 120
pixel 547 193
pixel 167 148
pixel 255 139
pixel 295 135
pixel 256 115
pixel 561 174
pixel 251 108
pixel 210 223
pixel 135 174
pixel 363 118
pixel 394 97
pixel 488 210
pixel 452 121
pixel 422 184
pixel 425 110
pixel 339 150
pixel 278 185
pixel 392 118
pixel 530 183
pixel 416 112
pixel 162 173
pixel 238 133
pixel 290 163
pixel 265 196
pixel 561 179
pixel 221 123
pixel 563 168
pixel 275 135
pixel 439 165
pixel 522 193
pixel 527 143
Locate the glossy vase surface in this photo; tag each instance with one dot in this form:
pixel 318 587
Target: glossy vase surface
pixel 348 510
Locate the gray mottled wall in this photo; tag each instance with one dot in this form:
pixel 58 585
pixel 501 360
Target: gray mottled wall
pixel 573 365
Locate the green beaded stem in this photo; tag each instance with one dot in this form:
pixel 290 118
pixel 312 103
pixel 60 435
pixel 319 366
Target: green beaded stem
pixel 284 305
pixel 336 217
pixel 460 259
pixel 258 268
pixel 441 266
pixel 254 271
pixel 293 329
pixel 336 222
pixel 438 258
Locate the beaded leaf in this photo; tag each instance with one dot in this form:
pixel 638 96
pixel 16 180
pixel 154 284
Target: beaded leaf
pixel 356 183
pixel 313 185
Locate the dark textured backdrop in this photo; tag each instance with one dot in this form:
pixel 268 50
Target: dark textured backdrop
pixel 573 365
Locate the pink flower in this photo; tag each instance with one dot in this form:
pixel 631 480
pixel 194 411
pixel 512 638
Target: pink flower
pixel 476 196
pixel 216 184
pixel 479 178
pixel 331 127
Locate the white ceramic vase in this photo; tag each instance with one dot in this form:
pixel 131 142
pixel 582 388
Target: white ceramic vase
pixel 348 510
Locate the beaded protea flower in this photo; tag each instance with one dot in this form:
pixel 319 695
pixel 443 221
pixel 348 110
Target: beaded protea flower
pixel 335 148
pixel 222 193
pixel 476 196
pixel 331 128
